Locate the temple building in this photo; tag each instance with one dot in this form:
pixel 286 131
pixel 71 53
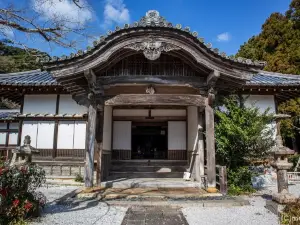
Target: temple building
pixel 143 92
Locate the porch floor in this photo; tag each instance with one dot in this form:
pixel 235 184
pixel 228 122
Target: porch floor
pixel 149 183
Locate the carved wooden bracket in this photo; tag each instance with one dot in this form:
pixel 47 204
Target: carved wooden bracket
pixel 152 48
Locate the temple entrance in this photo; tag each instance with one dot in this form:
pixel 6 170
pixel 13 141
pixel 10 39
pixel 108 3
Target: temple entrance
pixel 149 142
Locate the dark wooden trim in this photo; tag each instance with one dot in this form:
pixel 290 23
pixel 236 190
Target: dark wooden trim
pixel 22 104
pixel 52 118
pixel 177 154
pixel 57 104
pixel 20 133
pixel 120 154
pixel 55 137
pixel 7 135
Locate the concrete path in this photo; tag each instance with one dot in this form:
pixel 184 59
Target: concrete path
pixel 63 209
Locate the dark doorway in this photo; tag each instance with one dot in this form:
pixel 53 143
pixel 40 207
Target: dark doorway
pixel 149 142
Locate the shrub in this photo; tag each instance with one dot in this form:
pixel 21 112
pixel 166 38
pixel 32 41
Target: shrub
pixel 291 214
pixel 18 197
pixel 293 159
pixel 239 181
pixel 79 178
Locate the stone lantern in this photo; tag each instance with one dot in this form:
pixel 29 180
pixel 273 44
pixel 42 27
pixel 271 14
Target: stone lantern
pixel 23 154
pixel 281 164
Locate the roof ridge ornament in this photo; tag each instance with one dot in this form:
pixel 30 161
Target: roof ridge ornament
pixel 153 18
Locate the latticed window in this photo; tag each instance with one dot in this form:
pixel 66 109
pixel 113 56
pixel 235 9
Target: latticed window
pixel 136 65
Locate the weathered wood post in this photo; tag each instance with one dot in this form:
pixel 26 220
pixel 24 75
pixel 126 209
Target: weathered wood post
pixel 200 146
pixel 90 142
pixel 210 132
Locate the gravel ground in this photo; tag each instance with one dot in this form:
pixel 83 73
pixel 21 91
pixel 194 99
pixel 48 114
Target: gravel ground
pixel 244 215
pixel 73 212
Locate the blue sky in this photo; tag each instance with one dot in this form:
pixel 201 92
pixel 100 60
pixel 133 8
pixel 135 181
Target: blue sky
pixel 225 24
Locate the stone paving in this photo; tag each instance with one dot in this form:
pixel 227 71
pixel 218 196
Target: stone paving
pixel 153 216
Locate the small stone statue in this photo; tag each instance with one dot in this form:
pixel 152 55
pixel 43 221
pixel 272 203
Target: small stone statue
pixel 23 154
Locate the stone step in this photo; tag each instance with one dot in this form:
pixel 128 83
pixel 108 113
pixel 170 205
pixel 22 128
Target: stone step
pixel 118 175
pixel 138 162
pixel 143 168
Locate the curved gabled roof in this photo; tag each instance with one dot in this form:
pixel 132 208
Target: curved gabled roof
pixel 152 21
pixel 45 78
pixel 30 78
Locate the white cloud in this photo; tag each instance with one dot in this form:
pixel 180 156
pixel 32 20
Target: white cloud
pixel 224 37
pixel 115 11
pixel 63 11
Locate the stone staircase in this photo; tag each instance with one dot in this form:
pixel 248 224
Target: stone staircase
pixel 148 169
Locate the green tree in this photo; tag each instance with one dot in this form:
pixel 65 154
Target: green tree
pixel 278 43
pixel 290 127
pixel 241 133
pixel 14 59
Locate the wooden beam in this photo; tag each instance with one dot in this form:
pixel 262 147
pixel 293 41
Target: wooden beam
pixel 212 78
pixel 156 99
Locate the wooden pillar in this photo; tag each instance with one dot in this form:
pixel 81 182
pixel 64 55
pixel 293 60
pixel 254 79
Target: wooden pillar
pixel 99 138
pixel 90 144
pixel 210 146
pixel 200 144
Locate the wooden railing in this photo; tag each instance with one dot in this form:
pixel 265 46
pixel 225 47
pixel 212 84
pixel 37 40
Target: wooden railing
pixel 293 177
pixel 48 154
pixel 221 179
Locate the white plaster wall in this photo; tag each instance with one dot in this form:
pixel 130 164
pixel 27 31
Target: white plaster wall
pixel 192 133
pixel 122 135
pixel 3 138
pixel 68 106
pixel 264 102
pixel 39 104
pixel 176 135
pixel 3 126
pixel 65 135
pixel 13 138
pixel 14 126
pixel 30 128
pixel 107 128
pixel 130 112
pixel 45 134
pixel 79 135
pixel 168 112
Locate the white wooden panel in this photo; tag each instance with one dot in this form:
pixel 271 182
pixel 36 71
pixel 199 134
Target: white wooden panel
pixel 3 126
pixel 69 106
pixel 107 126
pixel 13 126
pixel 192 126
pixel 65 135
pixel 168 112
pixel 30 128
pixel 3 138
pixel 130 112
pixel 39 104
pixel 176 135
pixel 122 135
pixel 79 135
pixel 13 138
pixel 45 134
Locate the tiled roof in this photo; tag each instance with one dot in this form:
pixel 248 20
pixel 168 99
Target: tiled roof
pixel 44 78
pixel 264 78
pixel 30 78
pixel 7 115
